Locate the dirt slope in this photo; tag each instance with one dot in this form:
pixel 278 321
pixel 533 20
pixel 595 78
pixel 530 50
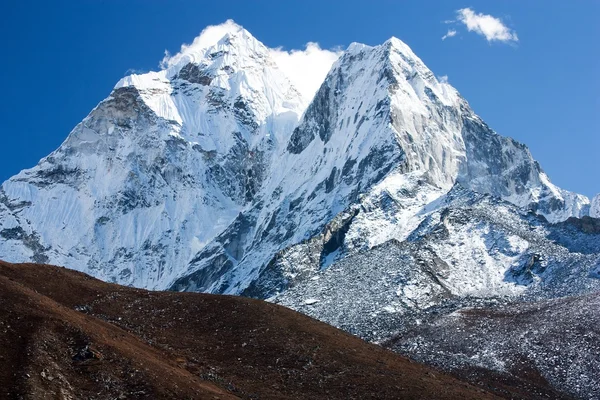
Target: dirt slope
pixel 66 335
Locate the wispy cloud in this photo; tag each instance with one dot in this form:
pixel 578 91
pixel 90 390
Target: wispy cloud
pixel 492 28
pixel 449 34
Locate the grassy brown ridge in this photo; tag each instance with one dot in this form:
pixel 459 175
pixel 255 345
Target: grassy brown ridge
pixel 66 335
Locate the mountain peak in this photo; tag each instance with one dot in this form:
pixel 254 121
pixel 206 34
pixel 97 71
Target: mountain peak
pixel 214 35
pixel 224 68
pixel 356 47
pixel 212 42
pixel 222 45
pixel 397 44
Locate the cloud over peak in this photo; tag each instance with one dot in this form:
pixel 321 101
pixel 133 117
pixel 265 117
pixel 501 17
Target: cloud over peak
pixel 488 26
pixel 492 28
pixel 306 68
pixel 208 37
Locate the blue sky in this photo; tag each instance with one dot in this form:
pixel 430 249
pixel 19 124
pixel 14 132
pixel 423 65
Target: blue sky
pixel 62 57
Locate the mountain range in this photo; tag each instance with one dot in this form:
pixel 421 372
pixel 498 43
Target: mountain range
pixel 381 202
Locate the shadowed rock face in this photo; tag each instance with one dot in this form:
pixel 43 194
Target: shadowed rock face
pixel 288 268
pixel 194 74
pixel 585 224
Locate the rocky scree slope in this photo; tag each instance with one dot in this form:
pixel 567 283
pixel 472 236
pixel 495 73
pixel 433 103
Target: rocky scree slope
pixel 530 345
pixel 472 252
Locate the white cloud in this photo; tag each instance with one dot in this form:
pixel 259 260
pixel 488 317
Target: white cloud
pixel 488 26
pixel 449 34
pixel 306 68
pixel 443 79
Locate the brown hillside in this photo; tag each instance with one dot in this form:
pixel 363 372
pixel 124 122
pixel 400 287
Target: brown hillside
pixel 65 335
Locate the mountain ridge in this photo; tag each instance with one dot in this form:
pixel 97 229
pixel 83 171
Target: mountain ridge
pixel 211 148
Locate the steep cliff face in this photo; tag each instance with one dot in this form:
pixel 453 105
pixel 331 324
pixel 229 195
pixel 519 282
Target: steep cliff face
pixel 210 174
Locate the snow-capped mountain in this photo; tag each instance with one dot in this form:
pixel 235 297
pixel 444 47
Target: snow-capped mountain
pixel 158 169
pixel 204 175
pixel 381 202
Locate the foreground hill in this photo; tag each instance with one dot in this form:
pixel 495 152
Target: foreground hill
pixel 66 335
